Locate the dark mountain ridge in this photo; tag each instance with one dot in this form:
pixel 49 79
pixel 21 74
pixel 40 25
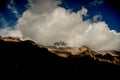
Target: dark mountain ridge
pixel 25 59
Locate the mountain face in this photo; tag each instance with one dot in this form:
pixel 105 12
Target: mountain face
pixel 25 59
pixel 112 57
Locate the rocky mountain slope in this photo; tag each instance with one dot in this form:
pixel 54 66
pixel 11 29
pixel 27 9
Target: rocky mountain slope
pixel 26 59
pixel 112 56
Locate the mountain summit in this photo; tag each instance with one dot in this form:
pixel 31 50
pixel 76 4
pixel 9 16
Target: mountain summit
pixel 25 59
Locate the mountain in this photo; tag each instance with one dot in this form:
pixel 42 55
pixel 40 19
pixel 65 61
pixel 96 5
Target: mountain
pixel 24 59
pixel 112 57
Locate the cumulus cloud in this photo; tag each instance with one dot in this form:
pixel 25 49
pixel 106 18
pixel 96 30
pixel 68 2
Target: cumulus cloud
pixel 10 32
pixel 96 2
pixel 45 23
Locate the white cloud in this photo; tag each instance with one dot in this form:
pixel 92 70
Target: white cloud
pixel 96 2
pixel 11 6
pixel 38 6
pixel 10 32
pixel 45 23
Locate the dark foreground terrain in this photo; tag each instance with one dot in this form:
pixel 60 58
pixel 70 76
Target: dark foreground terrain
pixel 24 59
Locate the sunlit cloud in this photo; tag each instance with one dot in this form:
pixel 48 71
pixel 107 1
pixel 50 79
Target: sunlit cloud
pixel 45 23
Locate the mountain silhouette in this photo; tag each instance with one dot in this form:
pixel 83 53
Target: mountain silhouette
pixel 26 60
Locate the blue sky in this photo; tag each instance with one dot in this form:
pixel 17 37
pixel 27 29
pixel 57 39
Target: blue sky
pixel 107 9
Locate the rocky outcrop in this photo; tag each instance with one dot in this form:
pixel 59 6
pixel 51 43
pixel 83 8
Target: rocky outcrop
pixel 10 38
pixel 112 57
